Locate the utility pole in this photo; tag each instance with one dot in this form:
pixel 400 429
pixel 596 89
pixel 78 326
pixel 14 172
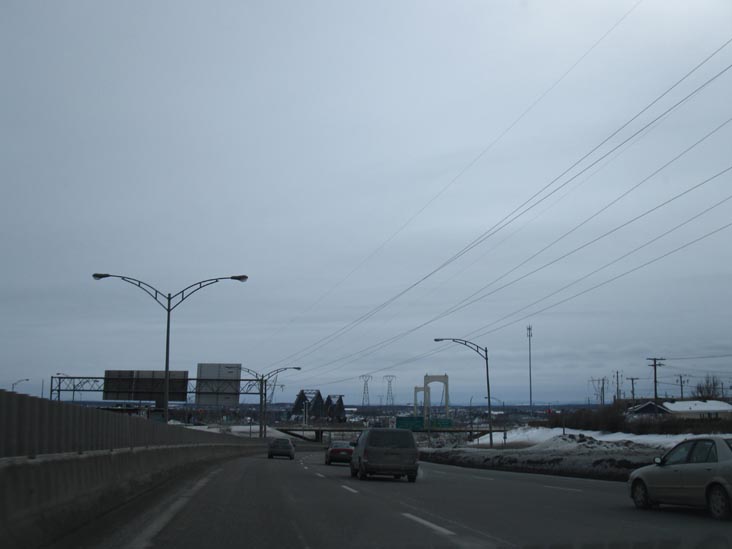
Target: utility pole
pixel 656 363
pixel 602 398
pixel 530 334
pixel 632 387
pixel 681 384
pixel 617 385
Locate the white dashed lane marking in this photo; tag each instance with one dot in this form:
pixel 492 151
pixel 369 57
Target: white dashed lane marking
pixel 430 525
pixel 562 488
pixel 349 489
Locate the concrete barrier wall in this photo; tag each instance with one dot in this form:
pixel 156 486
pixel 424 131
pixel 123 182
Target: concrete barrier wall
pixel 62 465
pixel 44 498
pixel 31 426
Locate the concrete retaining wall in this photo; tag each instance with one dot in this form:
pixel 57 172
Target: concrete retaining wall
pixel 31 426
pixel 43 498
pixel 62 465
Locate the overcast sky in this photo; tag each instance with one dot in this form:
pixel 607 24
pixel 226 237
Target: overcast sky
pixel 344 155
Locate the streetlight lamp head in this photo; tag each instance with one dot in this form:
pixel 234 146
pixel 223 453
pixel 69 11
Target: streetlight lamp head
pixel 296 368
pixel 99 276
pixel 437 339
pixel 240 278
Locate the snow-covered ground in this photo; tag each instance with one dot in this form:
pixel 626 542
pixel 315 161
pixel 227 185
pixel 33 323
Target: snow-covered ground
pixel 243 430
pixel 578 453
pixel 536 435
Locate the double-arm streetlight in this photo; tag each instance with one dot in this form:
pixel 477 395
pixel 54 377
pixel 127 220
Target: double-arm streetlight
pixel 263 379
pixel 483 352
pixel 169 302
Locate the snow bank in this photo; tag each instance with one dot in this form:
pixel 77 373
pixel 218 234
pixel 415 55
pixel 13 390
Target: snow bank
pixel 536 435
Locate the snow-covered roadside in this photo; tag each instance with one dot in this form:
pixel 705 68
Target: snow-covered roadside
pixel 592 454
pixel 536 435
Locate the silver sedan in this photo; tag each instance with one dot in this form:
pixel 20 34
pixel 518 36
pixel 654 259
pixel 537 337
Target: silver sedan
pixel 696 472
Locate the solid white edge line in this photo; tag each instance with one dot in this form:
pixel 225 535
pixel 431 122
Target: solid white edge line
pixel 430 525
pixel 349 489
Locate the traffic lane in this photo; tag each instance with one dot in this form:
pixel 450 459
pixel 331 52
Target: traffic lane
pixel 528 509
pixel 265 503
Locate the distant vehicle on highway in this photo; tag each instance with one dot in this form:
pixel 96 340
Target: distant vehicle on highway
pixel 338 451
pixel 385 452
pixel 696 472
pixel 281 447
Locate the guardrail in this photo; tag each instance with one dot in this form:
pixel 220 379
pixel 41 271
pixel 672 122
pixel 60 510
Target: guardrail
pixel 31 426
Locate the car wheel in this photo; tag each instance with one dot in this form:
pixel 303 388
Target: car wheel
pixel 718 502
pixel 412 478
pixel 353 472
pixel 640 495
pixel 362 473
pixel 327 461
pixel 397 477
pixel 269 456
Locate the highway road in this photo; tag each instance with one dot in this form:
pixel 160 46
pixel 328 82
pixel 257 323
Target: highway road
pixel 255 502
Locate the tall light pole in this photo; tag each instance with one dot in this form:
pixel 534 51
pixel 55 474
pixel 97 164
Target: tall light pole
pixel 262 379
pixel 169 302
pixel 12 388
pixel 483 352
pixel 530 334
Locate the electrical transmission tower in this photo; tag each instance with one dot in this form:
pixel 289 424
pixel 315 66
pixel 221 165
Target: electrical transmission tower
pixel 389 393
pixel 365 378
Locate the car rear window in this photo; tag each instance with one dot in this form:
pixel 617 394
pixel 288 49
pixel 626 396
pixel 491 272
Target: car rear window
pixel 281 442
pixel 391 439
pixel 340 445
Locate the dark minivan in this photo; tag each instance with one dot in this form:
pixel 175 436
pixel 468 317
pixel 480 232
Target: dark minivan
pixel 390 452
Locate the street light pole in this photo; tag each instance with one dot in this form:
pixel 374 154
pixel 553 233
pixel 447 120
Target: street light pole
pixel 12 388
pixel 262 380
pixel 483 352
pixel 166 302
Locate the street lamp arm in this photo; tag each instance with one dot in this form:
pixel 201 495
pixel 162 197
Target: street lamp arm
pixel 251 372
pixel 482 351
pixel 150 290
pixel 193 288
pixel 278 370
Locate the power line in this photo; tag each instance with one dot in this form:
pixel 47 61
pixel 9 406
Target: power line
pixel 614 278
pixel 516 213
pixel 699 357
pixel 462 171
pixel 380 345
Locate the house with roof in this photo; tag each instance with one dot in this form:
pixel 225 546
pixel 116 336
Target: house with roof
pixel 686 409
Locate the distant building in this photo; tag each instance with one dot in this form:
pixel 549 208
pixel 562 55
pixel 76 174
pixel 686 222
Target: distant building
pixel 688 409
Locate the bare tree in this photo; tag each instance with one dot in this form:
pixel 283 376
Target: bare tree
pixel 710 388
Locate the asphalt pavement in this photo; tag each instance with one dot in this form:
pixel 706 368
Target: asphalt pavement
pixel 257 502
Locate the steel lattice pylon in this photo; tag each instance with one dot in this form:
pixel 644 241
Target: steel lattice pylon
pixel 389 393
pixel 365 378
